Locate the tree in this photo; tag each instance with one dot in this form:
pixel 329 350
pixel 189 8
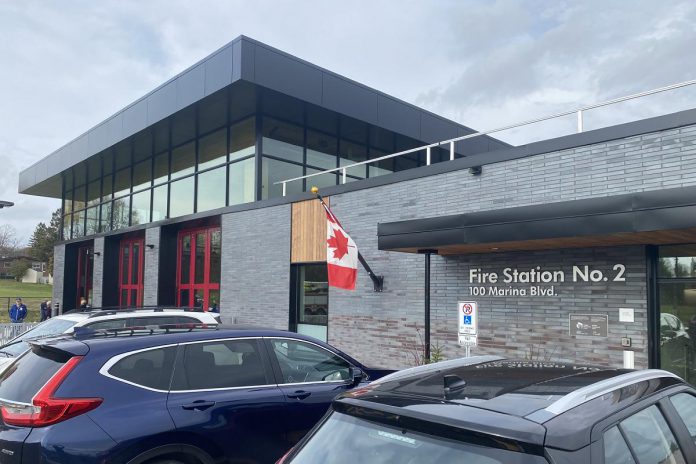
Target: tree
pixel 18 268
pixel 44 239
pixel 8 240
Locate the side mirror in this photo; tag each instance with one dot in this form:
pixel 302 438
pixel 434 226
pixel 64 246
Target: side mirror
pixel 356 376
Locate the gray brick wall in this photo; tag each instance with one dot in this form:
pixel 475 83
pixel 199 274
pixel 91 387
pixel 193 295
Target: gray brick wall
pixel 58 273
pixel 151 266
pixel 654 161
pixel 255 287
pixel 98 273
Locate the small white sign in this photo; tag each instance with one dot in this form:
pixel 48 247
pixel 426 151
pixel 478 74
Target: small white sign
pixel 468 340
pixel 468 318
pixel 626 315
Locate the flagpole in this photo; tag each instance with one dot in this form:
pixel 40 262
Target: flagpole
pixel 377 281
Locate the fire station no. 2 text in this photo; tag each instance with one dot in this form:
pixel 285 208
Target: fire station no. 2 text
pixel 538 275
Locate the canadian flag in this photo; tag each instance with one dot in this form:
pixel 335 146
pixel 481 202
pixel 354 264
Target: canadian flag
pixel 341 254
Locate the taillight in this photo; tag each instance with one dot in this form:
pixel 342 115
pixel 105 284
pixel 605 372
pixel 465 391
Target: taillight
pixel 285 456
pixel 45 409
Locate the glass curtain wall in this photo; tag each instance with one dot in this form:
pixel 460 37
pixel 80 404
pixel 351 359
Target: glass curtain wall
pixel 204 158
pixel 677 297
pixel 299 140
pixel 200 159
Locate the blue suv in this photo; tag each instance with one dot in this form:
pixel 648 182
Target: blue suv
pixel 179 395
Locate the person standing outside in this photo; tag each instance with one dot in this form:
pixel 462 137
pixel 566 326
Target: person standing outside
pixel 45 310
pixel 18 311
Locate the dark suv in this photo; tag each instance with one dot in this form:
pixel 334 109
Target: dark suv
pixel 181 395
pixel 487 410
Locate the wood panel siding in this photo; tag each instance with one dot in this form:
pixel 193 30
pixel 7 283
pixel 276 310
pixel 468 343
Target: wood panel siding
pixel 663 237
pixel 308 232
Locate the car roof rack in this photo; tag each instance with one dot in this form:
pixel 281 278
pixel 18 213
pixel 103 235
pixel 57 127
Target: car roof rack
pixel 112 310
pixel 595 390
pixel 86 332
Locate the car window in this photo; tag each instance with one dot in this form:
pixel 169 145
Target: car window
pixel 220 364
pixel 686 407
pixel 23 379
pixel 47 328
pixel 344 439
pixel 104 325
pixel 151 368
pixel 650 438
pixel 302 362
pixel 615 448
pixel 155 320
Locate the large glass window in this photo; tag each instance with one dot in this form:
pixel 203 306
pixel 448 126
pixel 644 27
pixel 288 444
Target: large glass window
pixel 212 150
pixel 677 291
pixel 142 175
pixel 283 140
pixel 242 139
pixel 273 171
pixel 211 189
pixel 310 300
pixel 242 181
pixel 122 182
pixel 92 220
pixel 183 160
pixel 159 202
pixel 140 208
pixel 205 157
pixel 181 197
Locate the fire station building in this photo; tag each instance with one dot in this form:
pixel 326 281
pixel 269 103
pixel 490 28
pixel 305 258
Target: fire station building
pixel 580 248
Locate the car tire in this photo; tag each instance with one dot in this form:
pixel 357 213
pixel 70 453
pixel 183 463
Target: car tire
pixel 166 461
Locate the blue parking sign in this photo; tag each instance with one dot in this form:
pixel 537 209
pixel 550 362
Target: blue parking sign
pixel 467 320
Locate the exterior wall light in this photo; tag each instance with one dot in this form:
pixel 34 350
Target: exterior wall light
pixel 475 170
pixel 150 246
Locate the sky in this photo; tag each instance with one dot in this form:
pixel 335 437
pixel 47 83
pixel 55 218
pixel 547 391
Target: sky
pixel 66 66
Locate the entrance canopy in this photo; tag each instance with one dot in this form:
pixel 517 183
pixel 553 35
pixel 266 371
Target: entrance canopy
pixel 653 217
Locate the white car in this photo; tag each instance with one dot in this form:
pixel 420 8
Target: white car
pixel 95 320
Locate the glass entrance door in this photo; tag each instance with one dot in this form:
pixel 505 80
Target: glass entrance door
pixel 677 291
pixel 85 260
pixel 309 303
pixel 130 273
pixel 198 268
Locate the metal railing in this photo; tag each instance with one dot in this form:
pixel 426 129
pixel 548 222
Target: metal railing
pixel 10 331
pixel 451 142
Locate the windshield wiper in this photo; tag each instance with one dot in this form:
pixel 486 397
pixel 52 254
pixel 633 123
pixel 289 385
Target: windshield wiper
pixel 7 354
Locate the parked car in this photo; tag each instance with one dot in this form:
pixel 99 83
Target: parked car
pixel 182 394
pixel 490 410
pixel 101 319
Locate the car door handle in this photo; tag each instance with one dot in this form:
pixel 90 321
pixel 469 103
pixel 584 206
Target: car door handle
pixel 199 405
pixel 299 395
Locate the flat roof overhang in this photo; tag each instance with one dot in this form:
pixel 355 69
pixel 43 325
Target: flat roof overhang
pixel 247 60
pixel 653 217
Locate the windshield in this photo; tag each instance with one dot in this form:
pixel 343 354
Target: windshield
pixel 45 329
pixel 344 439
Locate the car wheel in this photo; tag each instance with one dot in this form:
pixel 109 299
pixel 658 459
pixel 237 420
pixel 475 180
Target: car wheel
pixel 166 461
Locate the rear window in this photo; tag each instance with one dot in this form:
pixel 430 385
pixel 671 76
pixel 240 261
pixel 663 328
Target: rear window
pixel 151 368
pixel 48 328
pixel 23 379
pixel 344 439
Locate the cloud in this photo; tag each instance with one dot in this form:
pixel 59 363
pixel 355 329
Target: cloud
pixel 557 57
pixel 69 65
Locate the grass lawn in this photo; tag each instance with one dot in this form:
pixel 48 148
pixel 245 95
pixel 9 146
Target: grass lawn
pixel 32 296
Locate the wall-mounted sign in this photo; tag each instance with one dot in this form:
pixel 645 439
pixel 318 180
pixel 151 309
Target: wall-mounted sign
pixel 544 282
pixel 591 325
pixel 468 323
pixel 626 315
